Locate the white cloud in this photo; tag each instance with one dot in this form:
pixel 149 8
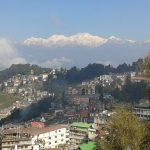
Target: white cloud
pixel 80 39
pixel 56 62
pixel 147 41
pixel 8 54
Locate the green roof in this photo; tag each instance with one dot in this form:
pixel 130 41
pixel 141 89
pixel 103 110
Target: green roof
pixel 88 146
pixel 81 125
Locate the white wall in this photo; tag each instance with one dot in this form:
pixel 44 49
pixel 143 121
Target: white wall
pixel 53 138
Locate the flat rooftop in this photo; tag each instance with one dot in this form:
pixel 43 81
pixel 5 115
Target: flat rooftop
pixel 87 146
pixel 81 125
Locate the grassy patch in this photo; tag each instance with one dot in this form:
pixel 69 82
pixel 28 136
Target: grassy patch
pixel 7 100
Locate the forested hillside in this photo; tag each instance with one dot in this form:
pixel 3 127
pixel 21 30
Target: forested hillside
pixel 73 75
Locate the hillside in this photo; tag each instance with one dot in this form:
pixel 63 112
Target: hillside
pixel 7 100
pixel 23 69
pixel 74 74
pixel 94 70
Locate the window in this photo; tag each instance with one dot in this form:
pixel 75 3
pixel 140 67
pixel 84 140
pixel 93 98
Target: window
pixel 55 141
pixel 49 137
pixel 62 135
pixel 55 136
pixel 49 142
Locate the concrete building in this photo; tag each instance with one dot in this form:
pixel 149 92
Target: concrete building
pixel 33 138
pixel 15 138
pixel 50 137
pixel 142 111
pixel 139 79
pixel 106 78
pixel 101 119
pixel 78 133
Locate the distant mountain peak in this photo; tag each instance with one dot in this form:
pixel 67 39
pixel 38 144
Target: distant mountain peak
pixel 114 38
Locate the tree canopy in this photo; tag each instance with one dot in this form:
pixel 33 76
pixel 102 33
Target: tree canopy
pixel 127 132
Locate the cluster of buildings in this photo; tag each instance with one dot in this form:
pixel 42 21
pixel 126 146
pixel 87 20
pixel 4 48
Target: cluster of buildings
pixel 37 136
pixel 77 124
pixel 28 88
pixel 70 136
pixel 106 80
pixel 33 138
pixel 88 87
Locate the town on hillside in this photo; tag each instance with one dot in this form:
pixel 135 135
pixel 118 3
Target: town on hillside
pixel 67 119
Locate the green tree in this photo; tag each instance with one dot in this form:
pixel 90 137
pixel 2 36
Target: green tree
pixel 145 66
pixel 99 90
pixel 145 69
pixel 127 132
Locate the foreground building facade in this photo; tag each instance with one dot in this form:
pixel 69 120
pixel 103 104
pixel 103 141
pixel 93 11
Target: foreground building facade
pixel 21 138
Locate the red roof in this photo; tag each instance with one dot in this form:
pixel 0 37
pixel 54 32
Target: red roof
pixel 139 78
pixel 35 131
pixel 37 124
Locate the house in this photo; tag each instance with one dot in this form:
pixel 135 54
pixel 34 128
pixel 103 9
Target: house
pixel 100 119
pixel 79 133
pixel 143 111
pixel 44 77
pixel 17 82
pixel 122 78
pixel 5 84
pixel 11 90
pixel 84 113
pixel 106 79
pixel 72 91
pixel 139 79
pixel 79 100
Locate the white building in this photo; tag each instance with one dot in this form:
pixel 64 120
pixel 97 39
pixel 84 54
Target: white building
pixel 44 77
pixel 50 137
pixel 143 112
pixel 92 133
pixel 107 78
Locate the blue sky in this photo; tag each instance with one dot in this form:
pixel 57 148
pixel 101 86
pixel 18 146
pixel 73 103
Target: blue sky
pixel 21 19
pixel 74 24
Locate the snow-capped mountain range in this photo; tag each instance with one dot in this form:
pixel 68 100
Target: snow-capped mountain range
pixel 75 50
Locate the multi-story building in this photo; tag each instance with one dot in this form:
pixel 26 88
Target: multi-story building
pixel 33 138
pixel 72 91
pixel 101 119
pixel 78 133
pixel 106 78
pixel 15 138
pixel 50 137
pixel 88 89
pixel 143 112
